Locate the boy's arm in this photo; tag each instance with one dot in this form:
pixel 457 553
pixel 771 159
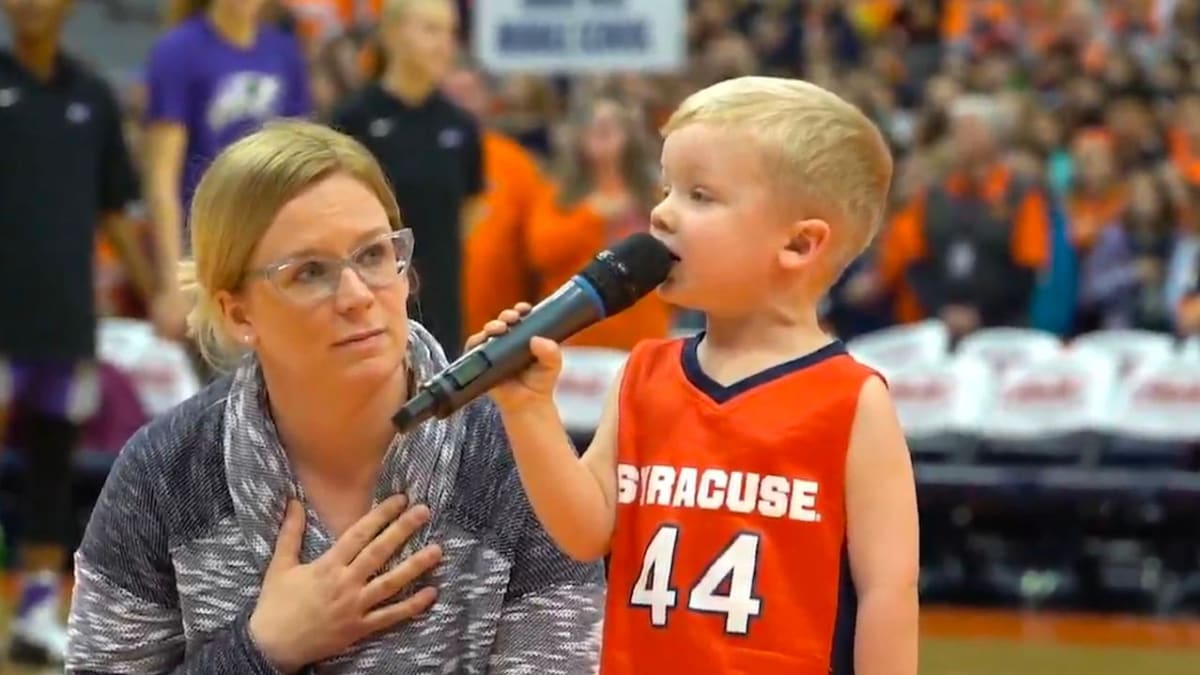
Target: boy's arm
pixel 575 499
pixel 881 522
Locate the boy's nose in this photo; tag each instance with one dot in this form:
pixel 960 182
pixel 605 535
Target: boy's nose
pixel 661 218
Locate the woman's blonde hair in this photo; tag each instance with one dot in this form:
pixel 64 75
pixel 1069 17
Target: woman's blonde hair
pixel 390 12
pixel 179 11
pixel 237 200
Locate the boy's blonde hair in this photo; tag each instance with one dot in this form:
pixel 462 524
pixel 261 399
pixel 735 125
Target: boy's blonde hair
pixel 824 150
pixel 237 200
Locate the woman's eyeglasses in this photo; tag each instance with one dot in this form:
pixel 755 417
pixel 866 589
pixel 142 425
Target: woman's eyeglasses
pixel 309 280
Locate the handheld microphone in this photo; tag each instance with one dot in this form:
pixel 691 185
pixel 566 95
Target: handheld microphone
pixel 614 280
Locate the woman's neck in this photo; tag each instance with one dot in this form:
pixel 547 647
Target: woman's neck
pixel 37 56
pixel 342 434
pixel 405 85
pixel 608 178
pixel 233 26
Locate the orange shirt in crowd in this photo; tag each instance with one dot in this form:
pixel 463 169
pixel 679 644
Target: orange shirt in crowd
pixel 346 13
pixel 1185 155
pixel 317 20
pixel 904 242
pixel 1089 214
pixel 959 15
pixel 560 243
pixel 496 269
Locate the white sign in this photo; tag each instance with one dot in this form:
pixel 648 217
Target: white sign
pixel 580 36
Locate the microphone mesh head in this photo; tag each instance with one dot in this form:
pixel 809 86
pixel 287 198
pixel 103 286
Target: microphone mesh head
pixel 628 270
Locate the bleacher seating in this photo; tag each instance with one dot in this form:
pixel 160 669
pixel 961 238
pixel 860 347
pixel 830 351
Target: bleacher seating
pixel 1190 350
pixel 1047 409
pixel 940 404
pixel 160 369
pixel 903 346
pixel 1153 418
pixel 1132 349
pixel 583 385
pixel 1003 347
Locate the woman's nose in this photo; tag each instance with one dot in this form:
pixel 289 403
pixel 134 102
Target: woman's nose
pixel 352 291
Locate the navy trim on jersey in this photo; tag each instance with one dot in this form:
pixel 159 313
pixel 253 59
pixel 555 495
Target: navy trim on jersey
pixel 720 393
pixel 841 653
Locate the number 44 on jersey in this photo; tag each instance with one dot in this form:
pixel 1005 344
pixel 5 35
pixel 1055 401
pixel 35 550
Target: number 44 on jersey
pixel 737 563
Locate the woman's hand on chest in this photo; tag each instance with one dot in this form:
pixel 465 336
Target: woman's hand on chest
pixel 309 612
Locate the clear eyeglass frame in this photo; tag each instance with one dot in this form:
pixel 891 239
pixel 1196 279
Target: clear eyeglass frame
pixel 312 279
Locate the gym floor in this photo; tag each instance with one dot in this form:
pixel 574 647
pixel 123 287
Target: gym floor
pixel 986 642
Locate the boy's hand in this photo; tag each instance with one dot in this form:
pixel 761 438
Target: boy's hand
pixel 535 382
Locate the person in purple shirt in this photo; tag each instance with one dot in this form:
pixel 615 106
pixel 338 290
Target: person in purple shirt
pixel 216 76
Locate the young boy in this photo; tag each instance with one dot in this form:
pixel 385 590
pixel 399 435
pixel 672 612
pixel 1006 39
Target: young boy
pixel 751 484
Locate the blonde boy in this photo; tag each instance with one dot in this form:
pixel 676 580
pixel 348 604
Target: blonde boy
pixel 751 484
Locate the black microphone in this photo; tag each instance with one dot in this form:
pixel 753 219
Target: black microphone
pixel 611 283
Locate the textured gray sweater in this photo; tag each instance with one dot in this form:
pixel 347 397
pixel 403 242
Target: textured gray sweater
pixel 173 557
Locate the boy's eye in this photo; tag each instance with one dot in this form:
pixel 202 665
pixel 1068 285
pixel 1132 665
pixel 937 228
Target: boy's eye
pixel 699 195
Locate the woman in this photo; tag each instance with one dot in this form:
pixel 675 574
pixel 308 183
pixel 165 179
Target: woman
pixel 218 74
pixel 239 532
pixel 1123 281
pixel 606 193
pixel 429 148
pixel 1098 194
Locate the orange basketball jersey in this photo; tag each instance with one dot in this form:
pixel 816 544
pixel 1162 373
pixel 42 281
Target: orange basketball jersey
pixel 729 554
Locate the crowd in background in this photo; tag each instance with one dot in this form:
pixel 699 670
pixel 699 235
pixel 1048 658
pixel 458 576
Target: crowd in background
pixel 1077 124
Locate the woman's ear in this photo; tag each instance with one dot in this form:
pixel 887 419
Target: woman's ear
pixel 236 318
pixel 806 240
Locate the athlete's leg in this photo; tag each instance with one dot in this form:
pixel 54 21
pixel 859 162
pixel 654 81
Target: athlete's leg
pixel 54 399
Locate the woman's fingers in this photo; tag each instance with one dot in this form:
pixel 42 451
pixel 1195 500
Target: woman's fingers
pixel 363 532
pixel 385 586
pixel 390 615
pixel 375 555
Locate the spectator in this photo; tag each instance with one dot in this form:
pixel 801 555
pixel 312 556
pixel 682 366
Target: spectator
pixel 1182 292
pixel 528 107
pixel 64 169
pixel 496 270
pixel 968 250
pixel 1123 273
pixel 1185 138
pixel 604 193
pixel 1098 195
pixel 219 73
pixel 1188 314
pixel 335 74
pixel 299 261
pixel 429 147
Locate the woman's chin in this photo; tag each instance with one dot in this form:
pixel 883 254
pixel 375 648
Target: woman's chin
pixel 373 368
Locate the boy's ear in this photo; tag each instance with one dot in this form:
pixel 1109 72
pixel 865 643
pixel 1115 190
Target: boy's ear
pixel 806 239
